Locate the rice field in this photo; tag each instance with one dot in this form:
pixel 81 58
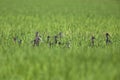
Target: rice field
pixel 59 40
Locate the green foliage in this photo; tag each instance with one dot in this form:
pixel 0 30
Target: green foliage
pixel 78 20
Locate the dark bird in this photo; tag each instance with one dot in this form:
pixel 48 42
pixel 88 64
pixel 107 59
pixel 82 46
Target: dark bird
pixel 50 44
pixel 92 41
pixel 36 42
pixel 60 35
pixel 60 38
pixel 59 43
pixel 37 39
pixel 15 39
pixel 37 34
pixel 20 42
pixel 56 39
pixel 48 39
pixel 108 38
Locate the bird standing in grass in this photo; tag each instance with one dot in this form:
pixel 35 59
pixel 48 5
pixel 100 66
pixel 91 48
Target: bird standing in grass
pixel 48 39
pixel 92 41
pixel 60 35
pixel 17 40
pixel 37 39
pixel 14 39
pixel 56 39
pixel 108 38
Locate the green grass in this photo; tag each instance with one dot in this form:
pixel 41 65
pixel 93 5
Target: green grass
pixel 78 20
